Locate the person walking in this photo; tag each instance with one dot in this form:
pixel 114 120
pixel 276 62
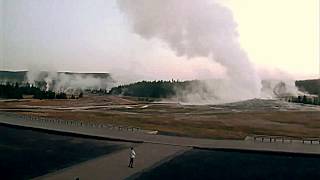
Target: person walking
pixel 132 156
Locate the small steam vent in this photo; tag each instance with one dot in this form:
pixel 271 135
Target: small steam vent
pixel 280 90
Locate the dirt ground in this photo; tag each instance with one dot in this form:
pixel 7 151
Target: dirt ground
pixel 227 121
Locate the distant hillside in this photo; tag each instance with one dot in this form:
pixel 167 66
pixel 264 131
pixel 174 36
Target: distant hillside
pixel 13 76
pixel 60 81
pixel 155 89
pixel 310 86
pixel 21 76
pixel 160 89
pixel 93 75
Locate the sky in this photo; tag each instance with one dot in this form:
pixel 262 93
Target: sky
pixel 281 34
pixel 279 37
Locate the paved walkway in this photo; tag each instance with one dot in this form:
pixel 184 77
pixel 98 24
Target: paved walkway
pixel 115 165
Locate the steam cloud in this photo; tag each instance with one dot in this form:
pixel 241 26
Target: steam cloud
pixel 71 82
pixel 198 29
pixel 91 36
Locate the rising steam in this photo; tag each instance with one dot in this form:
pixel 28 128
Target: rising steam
pixel 193 28
pixel 69 82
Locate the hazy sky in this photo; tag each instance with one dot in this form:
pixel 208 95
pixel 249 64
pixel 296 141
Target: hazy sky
pixel 94 35
pixel 283 34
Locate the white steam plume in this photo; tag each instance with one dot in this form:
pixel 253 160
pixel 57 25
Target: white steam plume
pixel 70 82
pixel 198 28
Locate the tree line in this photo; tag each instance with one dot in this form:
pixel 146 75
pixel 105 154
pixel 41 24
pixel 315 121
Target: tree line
pixel 16 91
pixel 306 100
pixel 152 89
pixel 310 86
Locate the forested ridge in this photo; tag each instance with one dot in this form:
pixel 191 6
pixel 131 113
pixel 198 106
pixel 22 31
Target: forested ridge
pixel 310 86
pixel 17 91
pixel 154 89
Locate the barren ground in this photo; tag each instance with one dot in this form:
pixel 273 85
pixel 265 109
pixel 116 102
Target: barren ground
pixel 228 121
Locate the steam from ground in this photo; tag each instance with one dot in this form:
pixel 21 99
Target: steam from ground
pixel 70 82
pixel 193 28
pixel 277 83
pixel 279 89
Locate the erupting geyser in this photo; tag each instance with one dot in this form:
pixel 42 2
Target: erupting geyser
pixel 198 29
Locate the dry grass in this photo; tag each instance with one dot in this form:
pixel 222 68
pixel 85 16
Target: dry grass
pixel 174 119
